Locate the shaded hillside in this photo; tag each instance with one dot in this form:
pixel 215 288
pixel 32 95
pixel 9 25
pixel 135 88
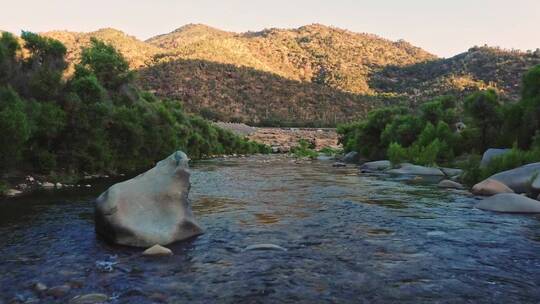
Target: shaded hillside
pixel 230 93
pixel 334 57
pixel 478 68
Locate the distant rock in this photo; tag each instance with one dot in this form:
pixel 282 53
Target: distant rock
pixel 351 158
pixel 490 187
pixel 47 185
pixel 152 208
pixel 264 247
pixel 490 154
pixel 375 166
pixel 157 250
pixel 410 169
pixel 13 192
pixel 509 203
pixel 519 179
pixel 451 172
pixel 339 165
pixel 450 184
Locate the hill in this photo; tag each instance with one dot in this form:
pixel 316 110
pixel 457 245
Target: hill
pixel 295 75
pixel 478 68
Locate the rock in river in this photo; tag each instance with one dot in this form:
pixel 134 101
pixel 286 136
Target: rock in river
pixel 490 187
pixel 374 166
pixel 448 184
pixel 410 169
pixel 510 203
pixel 157 250
pixel 490 154
pixel 152 208
pixel 519 179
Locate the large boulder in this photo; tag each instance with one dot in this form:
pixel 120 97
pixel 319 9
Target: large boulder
pixel 519 179
pixel 375 166
pixel 152 208
pixel 490 154
pixel 410 169
pixel 510 203
pixel 490 187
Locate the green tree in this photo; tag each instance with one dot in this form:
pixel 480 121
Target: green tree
pixel 14 128
pixel 483 110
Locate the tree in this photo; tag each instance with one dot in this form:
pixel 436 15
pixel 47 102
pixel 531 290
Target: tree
pixel 107 64
pixel 484 111
pixel 14 129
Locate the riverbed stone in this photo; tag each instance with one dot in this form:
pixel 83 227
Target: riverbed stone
pixel 264 247
pixel 490 187
pixel 410 169
pixel 13 192
pixel 91 298
pixel 152 208
pixel 157 250
pixel 519 179
pixel 509 203
pixel 339 165
pixel 448 184
pixel 490 154
pixel 58 291
pixel 374 166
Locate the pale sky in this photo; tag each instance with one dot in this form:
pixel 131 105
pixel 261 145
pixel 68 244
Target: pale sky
pixel 444 28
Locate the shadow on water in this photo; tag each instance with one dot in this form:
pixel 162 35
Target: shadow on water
pixel 350 238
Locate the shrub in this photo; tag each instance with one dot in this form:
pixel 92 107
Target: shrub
pixel 304 150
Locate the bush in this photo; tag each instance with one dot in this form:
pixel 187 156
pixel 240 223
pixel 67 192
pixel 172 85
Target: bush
pixel 304 150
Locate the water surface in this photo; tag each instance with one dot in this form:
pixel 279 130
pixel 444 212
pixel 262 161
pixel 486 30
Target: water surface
pixel 350 238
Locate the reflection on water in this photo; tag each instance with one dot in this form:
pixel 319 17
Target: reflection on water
pixel 350 238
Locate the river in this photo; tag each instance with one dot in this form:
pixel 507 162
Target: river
pixel 349 238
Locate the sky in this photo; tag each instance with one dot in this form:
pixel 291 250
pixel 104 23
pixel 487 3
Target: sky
pixel 444 28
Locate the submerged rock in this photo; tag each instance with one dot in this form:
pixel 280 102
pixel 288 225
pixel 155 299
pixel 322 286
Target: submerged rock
pixel 152 208
pixel 157 250
pixel 490 154
pixel 339 165
pixel 450 184
pixel 519 179
pixel 490 187
pixel 374 166
pixel 264 247
pixel 410 169
pixel 509 203
pixel 91 298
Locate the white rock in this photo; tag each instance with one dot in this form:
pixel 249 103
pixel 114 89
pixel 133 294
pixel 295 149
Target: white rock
pixel 13 192
pixel 47 185
pixel 152 208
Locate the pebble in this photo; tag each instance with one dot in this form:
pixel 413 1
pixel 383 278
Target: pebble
pixel 91 298
pixel 264 247
pixel 40 287
pixel 157 250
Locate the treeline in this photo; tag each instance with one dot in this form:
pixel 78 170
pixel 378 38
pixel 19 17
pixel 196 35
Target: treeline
pixel 96 120
pixel 445 130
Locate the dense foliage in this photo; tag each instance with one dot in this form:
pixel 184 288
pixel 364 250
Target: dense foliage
pixel 442 129
pixel 96 120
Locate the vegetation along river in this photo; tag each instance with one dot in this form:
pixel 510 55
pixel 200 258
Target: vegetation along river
pixel 349 238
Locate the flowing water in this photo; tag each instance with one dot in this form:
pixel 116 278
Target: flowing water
pixel 349 238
